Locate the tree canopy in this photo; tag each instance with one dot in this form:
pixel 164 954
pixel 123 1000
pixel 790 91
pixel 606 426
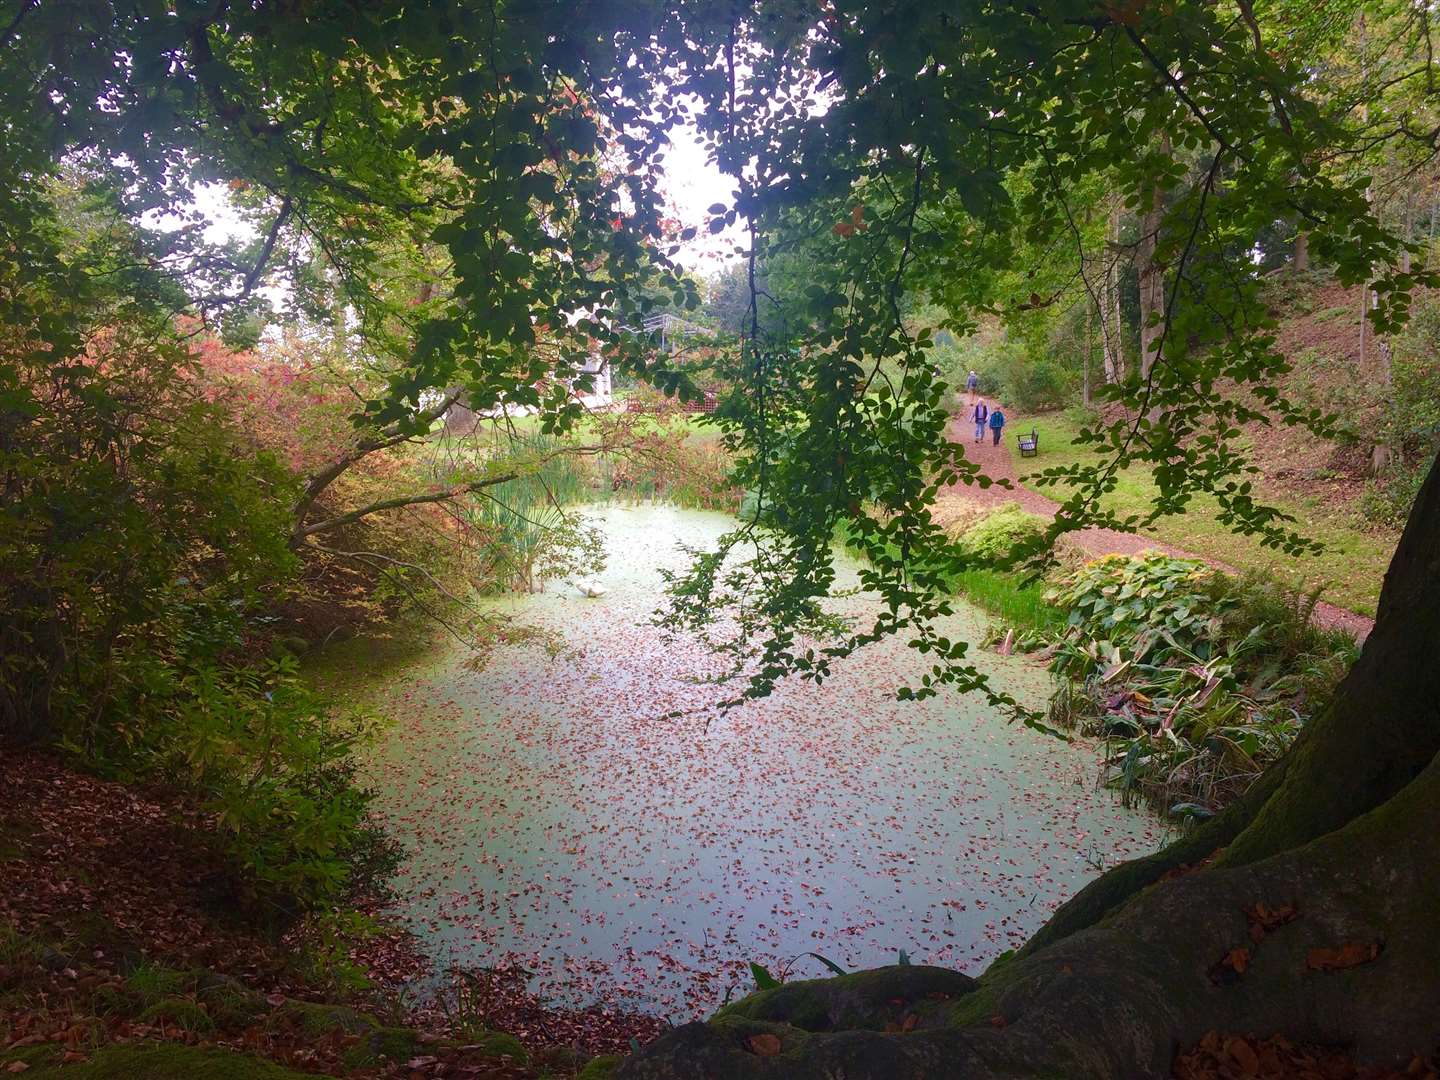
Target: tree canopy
pixel 471 195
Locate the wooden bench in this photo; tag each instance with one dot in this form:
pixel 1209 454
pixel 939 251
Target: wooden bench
pixel 1029 444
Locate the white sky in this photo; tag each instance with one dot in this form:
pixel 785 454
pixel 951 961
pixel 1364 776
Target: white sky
pixel 693 183
pixel 690 182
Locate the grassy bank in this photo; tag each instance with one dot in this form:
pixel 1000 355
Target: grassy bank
pixel 1351 568
pixel 1015 599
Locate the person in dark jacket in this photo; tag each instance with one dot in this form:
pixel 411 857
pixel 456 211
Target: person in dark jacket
pixel 997 423
pixel 982 413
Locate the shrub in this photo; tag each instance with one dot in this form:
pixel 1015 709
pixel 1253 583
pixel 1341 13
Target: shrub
pixel 1147 606
pixel 133 524
pixel 994 539
pixel 1388 498
pixel 673 465
pixel 279 774
pixel 1198 681
pixel 144 540
pixel 1028 379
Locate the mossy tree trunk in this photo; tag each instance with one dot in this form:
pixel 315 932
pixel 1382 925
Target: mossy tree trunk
pixel 1343 836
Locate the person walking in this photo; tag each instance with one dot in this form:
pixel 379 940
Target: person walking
pixel 981 413
pixel 997 422
pixel 972 384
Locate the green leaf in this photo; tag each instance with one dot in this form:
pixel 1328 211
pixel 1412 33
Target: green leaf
pixel 763 979
pixel 836 968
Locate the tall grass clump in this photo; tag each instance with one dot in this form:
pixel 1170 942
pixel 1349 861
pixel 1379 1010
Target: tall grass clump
pixel 1014 599
pixel 679 468
pixel 533 530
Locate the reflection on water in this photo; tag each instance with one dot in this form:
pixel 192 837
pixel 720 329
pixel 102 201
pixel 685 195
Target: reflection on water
pixel 558 821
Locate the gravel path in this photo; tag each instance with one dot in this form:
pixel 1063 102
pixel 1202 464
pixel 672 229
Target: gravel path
pixel 998 463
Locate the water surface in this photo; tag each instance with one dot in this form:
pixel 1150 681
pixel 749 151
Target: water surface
pixel 559 821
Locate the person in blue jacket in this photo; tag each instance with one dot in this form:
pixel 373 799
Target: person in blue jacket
pixel 997 422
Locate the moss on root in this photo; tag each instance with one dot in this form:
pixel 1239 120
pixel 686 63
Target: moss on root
pixel 863 1000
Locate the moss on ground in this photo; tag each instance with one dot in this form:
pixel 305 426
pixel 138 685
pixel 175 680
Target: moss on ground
pixel 151 982
pixel 231 1003
pixel 321 1018
pixel 600 1068
pixel 181 1012
pixel 384 1043
pixel 80 933
pixel 499 1044
pixel 32 1057
pixel 151 1061
pixel 15 834
pixel 16 950
pixel 202 1002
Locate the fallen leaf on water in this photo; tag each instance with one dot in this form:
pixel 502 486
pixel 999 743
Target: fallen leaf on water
pixel 1351 954
pixel 765 1045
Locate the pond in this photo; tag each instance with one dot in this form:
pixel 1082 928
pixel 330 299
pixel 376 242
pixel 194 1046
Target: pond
pixel 558 820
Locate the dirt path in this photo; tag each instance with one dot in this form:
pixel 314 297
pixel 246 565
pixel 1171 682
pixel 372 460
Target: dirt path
pixel 998 463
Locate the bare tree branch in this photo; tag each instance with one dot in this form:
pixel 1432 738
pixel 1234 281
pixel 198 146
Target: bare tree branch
pixel 393 435
pixel 443 495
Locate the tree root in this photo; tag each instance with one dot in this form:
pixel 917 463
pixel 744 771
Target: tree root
pixel 1116 886
pixel 1343 951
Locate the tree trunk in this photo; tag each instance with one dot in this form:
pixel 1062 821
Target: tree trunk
pixel 1342 837
pixel 1111 328
pixel 1380 454
pixel 1364 314
pixel 1409 229
pixel 1301 260
pixel 1152 277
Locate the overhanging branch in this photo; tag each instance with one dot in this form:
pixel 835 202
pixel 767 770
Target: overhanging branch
pixel 443 495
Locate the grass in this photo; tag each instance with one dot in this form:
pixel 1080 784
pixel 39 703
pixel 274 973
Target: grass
pixel 693 425
pixel 1351 568
pixel 1012 596
pixel 1012 599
